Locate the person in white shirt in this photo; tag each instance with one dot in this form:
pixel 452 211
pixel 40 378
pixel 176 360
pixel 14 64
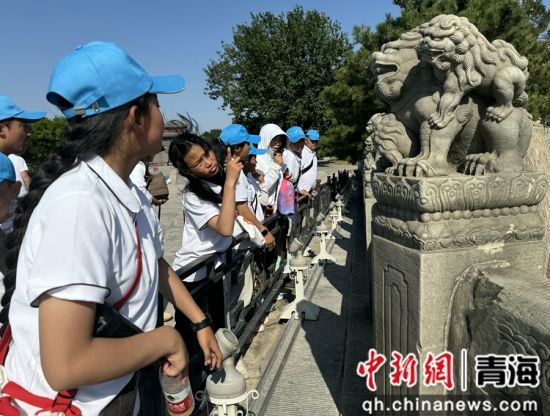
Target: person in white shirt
pixel 13 135
pixel 255 179
pixel 292 155
pixel 88 241
pixel 236 138
pixel 138 178
pixel 208 201
pixel 209 216
pixel 308 177
pixel 274 140
pixel 21 173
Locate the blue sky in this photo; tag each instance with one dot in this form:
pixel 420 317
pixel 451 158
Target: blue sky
pixel 164 36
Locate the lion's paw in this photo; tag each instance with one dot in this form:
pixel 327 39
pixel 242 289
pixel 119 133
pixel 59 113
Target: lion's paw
pixel 481 164
pixel 406 166
pixel 423 167
pixel 436 121
pixel 498 113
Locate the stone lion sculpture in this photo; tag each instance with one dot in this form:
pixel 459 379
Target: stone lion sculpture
pixel 369 153
pixel 464 60
pixel 471 139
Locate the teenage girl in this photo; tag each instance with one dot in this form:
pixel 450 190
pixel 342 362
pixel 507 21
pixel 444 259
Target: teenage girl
pixel 274 139
pixel 209 214
pixel 236 138
pixel 84 239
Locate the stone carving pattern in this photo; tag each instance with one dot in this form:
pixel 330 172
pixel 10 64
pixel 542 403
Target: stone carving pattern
pixel 512 335
pixel 460 193
pixel 396 304
pixel 457 232
pixel 520 342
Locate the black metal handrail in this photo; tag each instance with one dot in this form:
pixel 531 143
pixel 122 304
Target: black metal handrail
pixel 267 267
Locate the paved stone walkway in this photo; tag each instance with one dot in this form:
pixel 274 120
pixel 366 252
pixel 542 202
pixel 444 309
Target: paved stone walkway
pixel 312 372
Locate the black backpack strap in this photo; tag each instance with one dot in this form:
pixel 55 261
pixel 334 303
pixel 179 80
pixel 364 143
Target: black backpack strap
pixel 308 167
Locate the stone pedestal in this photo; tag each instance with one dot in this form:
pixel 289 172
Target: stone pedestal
pixel 426 233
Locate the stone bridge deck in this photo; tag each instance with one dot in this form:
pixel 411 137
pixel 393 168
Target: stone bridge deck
pixel 312 370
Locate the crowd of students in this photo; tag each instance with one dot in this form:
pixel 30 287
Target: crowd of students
pixel 81 232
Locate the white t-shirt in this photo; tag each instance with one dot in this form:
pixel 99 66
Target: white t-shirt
pixel 20 166
pixel 199 241
pixel 241 188
pixel 293 163
pixel 81 245
pixel 138 178
pixel 254 196
pixel 308 179
pixel 272 180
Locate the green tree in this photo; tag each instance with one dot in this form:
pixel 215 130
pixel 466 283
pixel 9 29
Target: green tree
pixel 276 68
pixel 46 135
pixel 351 101
pixel 211 135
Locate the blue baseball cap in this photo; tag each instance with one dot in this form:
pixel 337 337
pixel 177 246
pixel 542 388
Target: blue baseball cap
pixel 255 151
pixel 8 109
pixel 100 76
pixel 295 133
pixel 237 134
pixel 312 134
pixel 7 171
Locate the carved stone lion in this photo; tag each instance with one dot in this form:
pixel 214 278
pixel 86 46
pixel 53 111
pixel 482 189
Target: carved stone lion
pixel 369 154
pixel 407 139
pixel 464 60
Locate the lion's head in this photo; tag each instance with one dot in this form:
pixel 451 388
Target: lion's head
pixel 392 65
pixel 452 43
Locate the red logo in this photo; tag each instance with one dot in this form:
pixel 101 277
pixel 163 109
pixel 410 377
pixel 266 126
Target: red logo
pixel 439 370
pixel 403 370
pixel 370 367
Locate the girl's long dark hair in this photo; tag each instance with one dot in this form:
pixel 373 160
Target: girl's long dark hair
pixel 96 134
pixel 180 146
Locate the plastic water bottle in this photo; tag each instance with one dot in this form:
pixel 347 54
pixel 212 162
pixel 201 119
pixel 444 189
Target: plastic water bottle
pixel 178 394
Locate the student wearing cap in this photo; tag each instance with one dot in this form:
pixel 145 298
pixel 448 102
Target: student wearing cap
pixel 293 154
pixel 88 241
pixel 274 140
pixel 209 217
pixel 255 178
pixel 237 138
pixel 13 134
pixel 308 177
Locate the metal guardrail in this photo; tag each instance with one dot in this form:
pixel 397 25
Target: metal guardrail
pixel 266 268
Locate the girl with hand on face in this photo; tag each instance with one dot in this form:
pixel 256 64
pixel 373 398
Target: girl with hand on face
pixel 88 240
pixel 274 139
pixel 209 215
pixel 237 138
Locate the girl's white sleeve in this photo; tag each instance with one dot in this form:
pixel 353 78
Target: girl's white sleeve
pixel 74 251
pixel 272 176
